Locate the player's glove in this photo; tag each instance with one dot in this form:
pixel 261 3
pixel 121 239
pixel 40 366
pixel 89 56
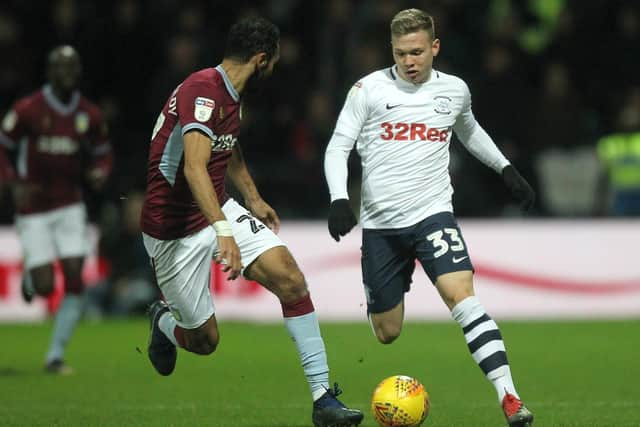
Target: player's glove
pixel 341 218
pixel 519 187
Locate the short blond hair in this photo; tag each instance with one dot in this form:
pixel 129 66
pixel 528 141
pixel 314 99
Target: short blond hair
pixel 410 21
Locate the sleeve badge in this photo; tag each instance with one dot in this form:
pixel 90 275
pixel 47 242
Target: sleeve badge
pixel 82 122
pixel 203 108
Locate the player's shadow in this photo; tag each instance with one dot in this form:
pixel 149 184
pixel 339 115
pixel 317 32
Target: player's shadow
pixel 11 372
pixel 278 424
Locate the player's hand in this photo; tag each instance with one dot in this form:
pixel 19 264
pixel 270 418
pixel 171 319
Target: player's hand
pixel 265 213
pixel 229 256
pixel 519 187
pixel 341 218
pixel 24 193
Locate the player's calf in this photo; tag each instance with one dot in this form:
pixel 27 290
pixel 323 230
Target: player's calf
pixel 202 340
pixel 387 333
pixel 40 279
pixel 387 325
pixel 203 346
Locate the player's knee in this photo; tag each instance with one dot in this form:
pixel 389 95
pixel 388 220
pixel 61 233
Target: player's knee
pixel 387 334
pixel 453 299
pixel 293 287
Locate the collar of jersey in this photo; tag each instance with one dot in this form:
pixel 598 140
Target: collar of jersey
pixel 232 91
pixel 406 84
pixel 57 105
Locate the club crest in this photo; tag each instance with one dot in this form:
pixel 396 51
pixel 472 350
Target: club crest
pixel 442 105
pixel 82 122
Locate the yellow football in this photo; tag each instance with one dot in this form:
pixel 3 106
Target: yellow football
pixel 400 401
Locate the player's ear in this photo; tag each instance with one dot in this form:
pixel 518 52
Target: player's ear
pixel 260 59
pixel 435 46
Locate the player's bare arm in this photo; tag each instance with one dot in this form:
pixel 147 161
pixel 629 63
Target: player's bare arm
pixel 102 158
pixel 197 153
pixel 241 178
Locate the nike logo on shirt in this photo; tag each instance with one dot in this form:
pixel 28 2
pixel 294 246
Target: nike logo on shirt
pixel 389 107
pixel 457 260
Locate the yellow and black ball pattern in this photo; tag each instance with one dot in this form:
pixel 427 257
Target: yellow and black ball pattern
pixel 400 401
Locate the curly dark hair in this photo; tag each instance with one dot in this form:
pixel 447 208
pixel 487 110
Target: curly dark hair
pixel 250 36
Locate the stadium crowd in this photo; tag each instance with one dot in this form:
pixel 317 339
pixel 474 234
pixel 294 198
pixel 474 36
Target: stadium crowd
pixel 554 83
pixel 549 78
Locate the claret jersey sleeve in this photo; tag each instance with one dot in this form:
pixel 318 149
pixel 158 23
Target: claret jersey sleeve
pixel 11 130
pixel 475 138
pixel 101 153
pixel 14 124
pixel 195 106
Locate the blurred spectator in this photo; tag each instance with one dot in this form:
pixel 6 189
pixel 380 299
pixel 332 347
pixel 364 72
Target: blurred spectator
pixel 129 287
pixel 567 168
pixel 619 153
pixel 182 58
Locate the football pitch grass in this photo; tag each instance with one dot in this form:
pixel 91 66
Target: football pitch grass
pixel 576 374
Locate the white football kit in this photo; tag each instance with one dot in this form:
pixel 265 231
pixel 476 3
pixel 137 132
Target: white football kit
pixel 55 234
pixel 403 131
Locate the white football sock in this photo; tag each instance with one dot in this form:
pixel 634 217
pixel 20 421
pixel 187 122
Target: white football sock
pixel 167 324
pixel 64 324
pixel 485 344
pixel 305 332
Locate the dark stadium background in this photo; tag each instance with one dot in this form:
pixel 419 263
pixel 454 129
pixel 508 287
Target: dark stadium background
pixel 548 79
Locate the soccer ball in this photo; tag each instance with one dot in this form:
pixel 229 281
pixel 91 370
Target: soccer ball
pixel 400 401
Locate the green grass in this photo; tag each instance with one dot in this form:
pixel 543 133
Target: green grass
pixel 570 374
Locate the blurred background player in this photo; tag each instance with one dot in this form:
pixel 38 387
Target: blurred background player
pixel 403 118
pixel 57 141
pixel 188 218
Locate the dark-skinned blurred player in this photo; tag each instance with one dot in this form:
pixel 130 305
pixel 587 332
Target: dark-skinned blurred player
pixel 52 142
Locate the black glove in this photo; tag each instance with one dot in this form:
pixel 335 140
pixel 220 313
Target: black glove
pixel 341 218
pixel 519 187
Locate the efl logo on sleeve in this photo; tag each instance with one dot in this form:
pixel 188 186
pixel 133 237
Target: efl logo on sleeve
pixel 203 108
pixel 82 122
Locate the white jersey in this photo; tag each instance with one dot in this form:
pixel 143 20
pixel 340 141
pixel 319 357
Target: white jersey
pixel 403 131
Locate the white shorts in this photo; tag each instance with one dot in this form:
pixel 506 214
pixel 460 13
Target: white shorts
pixel 56 234
pixel 183 266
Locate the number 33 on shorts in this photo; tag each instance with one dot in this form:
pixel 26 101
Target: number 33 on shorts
pixel 441 245
pixel 446 252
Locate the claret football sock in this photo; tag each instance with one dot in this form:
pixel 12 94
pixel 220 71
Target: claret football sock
pixel 64 324
pixel 485 344
pixel 302 323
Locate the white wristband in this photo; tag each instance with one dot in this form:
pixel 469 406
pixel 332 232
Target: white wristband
pixel 222 228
